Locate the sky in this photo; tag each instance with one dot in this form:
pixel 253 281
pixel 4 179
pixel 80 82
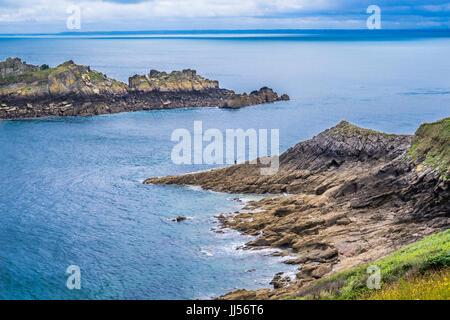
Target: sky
pixel 50 16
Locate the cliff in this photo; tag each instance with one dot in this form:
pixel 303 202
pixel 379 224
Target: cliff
pixel 73 90
pixel 356 195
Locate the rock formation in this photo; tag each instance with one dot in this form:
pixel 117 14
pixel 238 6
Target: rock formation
pixel 176 81
pixel 74 90
pixel 356 195
pixel 263 95
pixel 15 66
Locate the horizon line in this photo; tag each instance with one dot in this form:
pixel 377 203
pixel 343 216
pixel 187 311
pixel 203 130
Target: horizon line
pixel 274 31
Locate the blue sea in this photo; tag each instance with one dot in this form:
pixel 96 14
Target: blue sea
pixel 71 189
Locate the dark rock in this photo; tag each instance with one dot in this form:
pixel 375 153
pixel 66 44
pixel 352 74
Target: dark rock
pixel 74 90
pixel 279 282
pixel 15 66
pixel 357 195
pixel 263 95
pixel 179 219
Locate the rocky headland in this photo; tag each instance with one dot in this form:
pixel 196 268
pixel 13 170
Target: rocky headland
pixel 354 195
pixel 28 91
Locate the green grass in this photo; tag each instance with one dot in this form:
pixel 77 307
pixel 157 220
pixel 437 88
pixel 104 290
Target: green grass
pixel 27 77
pixel 32 76
pixel 431 253
pixel 349 130
pixel 432 145
pixel 45 72
pixel 433 285
pixel 96 76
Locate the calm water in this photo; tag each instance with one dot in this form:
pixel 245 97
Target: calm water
pixel 71 192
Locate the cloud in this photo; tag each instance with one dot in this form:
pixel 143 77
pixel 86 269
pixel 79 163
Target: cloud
pixel 32 15
pixel 50 10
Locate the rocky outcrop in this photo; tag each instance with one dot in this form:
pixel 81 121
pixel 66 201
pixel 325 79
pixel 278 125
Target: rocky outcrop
pixel 73 90
pixel 356 195
pixel 342 148
pixel 15 66
pixel 176 81
pixel 261 96
pixel 66 79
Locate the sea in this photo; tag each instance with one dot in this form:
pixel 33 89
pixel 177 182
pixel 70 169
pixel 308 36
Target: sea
pixel 71 191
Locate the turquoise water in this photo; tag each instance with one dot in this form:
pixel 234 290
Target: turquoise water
pixel 70 188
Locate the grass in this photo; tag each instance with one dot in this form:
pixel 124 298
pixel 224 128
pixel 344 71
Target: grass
pixel 32 76
pixel 431 253
pixel 349 130
pixel 432 145
pixel 96 76
pixel 27 77
pixel 44 74
pixel 433 285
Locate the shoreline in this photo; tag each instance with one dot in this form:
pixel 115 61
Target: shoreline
pixel 357 196
pixel 28 91
pixel 276 255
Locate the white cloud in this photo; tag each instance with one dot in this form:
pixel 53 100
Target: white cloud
pixel 48 10
pixel 437 8
pixel 50 15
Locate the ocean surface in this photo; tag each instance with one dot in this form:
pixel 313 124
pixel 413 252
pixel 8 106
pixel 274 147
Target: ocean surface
pixel 71 189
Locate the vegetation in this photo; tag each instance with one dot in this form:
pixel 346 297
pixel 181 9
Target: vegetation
pixel 45 75
pixel 433 285
pixel 432 145
pixel 96 76
pixel 26 77
pixel 415 260
pixel 66 64
pixel 348 129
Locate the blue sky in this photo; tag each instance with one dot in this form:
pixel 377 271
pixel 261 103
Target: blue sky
pixel 49 16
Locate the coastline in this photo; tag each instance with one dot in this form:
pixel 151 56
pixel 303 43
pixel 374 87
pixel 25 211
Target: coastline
pixel 359 195
pixel 28 91
pixel 275 256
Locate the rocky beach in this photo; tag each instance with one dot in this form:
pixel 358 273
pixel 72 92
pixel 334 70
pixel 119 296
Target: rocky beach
pixel 29 91
pixel 355 195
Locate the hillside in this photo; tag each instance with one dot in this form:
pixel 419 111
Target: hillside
pixel 400 272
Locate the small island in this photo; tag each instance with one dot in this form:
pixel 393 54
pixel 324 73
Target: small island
pixel 29 91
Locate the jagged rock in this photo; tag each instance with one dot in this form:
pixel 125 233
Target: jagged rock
pixel 263 95
pixel 280 282
pixel 186 80
pixel 74 90
pixel 179 219
pixel 15 66
pixel 301 166
pixel 358 195
pixel 67 78
pixel 285 97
